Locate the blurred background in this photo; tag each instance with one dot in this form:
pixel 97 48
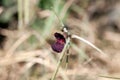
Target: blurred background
pixel 27 30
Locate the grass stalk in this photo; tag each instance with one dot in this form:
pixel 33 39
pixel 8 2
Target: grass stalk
pixel 20 14
pixel 89 43
pixel 49 23
pixel 118 78
pixel 26 11
pixel 61 58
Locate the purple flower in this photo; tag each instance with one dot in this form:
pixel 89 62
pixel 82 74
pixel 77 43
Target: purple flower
pixel 59 44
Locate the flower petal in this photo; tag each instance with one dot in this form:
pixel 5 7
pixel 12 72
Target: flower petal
pixel 60 37
pixel 57 47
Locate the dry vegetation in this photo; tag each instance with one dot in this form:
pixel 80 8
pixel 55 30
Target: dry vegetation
pixel 26 33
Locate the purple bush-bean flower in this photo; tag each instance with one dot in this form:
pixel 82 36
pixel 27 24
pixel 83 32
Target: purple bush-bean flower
pixel 59 44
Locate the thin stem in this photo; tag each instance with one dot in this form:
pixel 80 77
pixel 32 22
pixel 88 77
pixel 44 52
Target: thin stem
pixel 61 58
pixel 89 43
pixel 49 22
pixel 58 18
pixel 67 57
pixel 63 26
pixel 26 12
pixel 109 77
pixel 20 14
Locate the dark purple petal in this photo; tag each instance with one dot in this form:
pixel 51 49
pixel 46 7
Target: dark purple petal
pixel 59 44
pixel 57 47
pixel 59 37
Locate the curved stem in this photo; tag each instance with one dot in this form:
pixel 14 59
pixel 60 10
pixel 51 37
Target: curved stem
pixel 89 43
pixel 61 58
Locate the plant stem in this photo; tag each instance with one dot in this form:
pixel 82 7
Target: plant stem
pixel 89 43
pixel 20 14
pixel 26 12
pixel 61 58
pixel 109 77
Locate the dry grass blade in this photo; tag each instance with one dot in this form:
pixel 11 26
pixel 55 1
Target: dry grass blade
pixel 20 56
pixel 65 8
pixel 26 11
pixel 87 42
pixel 20 15
pixel 17 43
pixel 118 78
pixel 61 58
